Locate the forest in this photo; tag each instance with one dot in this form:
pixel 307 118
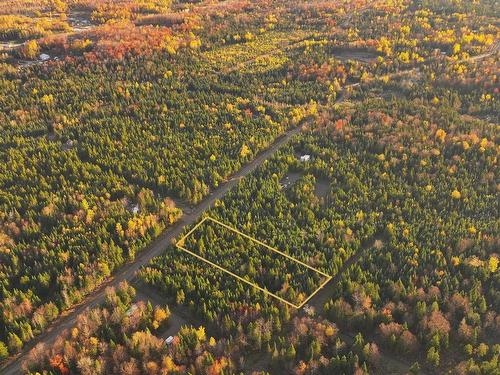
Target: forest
pixel 120 337
pixel 419 217
pixel 119 118
pixel 254 261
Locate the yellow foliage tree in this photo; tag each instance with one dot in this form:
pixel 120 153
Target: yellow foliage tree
pixel 329 331
pixel 244 151
pixel 200 333
pixel 30 50
pixel 384 45
pixel 248 36
pixel 493 264
pixel 161 314
pixel 404 57
pixel 59 6
pixel 48 100
pixel 168 365
pixel 441 135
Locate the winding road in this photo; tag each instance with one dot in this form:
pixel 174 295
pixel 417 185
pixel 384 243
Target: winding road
pixel 129 270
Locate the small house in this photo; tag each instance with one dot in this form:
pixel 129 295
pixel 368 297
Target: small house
pixel 305 158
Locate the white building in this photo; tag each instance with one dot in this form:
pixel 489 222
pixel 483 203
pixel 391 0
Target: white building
pixel 305 158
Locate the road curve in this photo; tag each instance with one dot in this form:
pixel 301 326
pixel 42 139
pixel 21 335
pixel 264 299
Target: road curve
pixel 128 271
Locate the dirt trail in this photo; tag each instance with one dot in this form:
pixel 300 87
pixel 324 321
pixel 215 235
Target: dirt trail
pixel 129 270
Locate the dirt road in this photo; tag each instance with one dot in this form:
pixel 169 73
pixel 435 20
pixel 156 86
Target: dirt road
pixel 128 271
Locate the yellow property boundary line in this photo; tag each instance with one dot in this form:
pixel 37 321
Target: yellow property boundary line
pixel 180 244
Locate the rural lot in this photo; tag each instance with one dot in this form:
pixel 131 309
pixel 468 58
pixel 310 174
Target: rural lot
pixel 256 187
